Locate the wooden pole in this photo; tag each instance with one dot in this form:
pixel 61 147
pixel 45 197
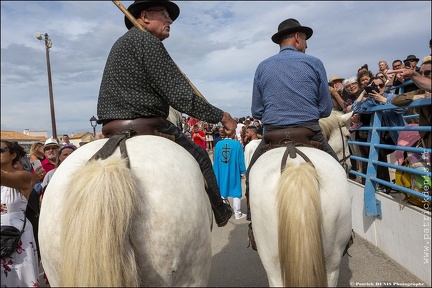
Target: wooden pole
pixel 138 25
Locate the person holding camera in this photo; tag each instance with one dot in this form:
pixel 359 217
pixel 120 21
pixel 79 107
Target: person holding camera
pixel 20 268
pixel 364 78
pixel 374 96
pixel 420 78
pixel 336 92
pixel 423 80
pixel 410 63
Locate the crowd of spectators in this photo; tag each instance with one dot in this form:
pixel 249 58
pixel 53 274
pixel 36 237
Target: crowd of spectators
pixel 44 158
pixel 356 94
pixel 351 94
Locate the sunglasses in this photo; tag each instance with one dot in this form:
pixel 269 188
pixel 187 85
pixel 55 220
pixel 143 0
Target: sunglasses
pixel 3 149
pixel 380 85
pixel 425 73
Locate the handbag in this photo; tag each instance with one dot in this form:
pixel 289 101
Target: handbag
pixel 403 178
pixel 420 161
pixel 10 237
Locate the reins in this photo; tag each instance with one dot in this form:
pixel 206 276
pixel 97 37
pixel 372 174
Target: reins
pixel 344 158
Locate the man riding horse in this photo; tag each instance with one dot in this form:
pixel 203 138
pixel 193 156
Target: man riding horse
pixel 141 81
pixel 290 94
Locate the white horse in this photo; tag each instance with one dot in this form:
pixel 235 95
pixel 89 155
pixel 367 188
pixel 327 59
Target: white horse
pixel 355 149
pixel 104 224
pixel 301 217
pixel 334 129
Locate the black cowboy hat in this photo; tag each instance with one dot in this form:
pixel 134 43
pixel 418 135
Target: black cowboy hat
pixel 412 57
pixel 290 26
pixel 139 5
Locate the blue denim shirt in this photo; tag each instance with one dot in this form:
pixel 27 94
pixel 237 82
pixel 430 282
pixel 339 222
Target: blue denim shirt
pixel 290 88
pixel 390 118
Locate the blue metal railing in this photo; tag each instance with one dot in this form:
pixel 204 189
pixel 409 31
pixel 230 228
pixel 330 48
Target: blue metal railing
pixel 401 87
pixel 372 205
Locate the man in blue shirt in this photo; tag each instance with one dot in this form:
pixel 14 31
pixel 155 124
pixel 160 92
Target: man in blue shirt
pixel 290 89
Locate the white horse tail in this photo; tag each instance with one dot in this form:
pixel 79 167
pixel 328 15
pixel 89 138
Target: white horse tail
pixel 97 248
pixel 301 251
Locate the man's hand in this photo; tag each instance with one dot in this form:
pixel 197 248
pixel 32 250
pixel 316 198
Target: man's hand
pixel 377 96
pixel 333 91
pixel 39 173
pixel 402 73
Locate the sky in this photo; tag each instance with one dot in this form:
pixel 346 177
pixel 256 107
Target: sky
pixel 217 44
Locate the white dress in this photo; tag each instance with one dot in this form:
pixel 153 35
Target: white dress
pixel 21 269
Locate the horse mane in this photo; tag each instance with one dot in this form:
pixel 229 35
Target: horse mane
pixel 107 214
pixel 300 227
pixel 330 123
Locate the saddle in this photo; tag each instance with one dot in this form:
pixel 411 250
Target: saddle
pixel 298 135
pixel 118 131
pixel 138 126
pixel 289 138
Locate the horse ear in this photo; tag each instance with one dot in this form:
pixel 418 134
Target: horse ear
pixel 346 117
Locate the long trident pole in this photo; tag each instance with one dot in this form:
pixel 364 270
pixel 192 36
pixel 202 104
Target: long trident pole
pixel 138 25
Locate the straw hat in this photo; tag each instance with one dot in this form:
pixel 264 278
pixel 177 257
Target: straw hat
pixel 51 142
pixel 333 78
pixel 427 59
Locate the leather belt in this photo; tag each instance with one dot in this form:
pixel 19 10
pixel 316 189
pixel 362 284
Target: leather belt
pixel 142 126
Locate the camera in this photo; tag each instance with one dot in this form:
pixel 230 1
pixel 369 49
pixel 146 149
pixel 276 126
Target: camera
pixel 36 164
pixel 372 88
pixel 407 64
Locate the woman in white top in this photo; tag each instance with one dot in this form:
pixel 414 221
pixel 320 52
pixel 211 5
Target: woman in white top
pixel 21 268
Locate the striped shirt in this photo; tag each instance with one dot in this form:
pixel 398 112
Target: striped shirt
pixel 141 80
pixel 290 88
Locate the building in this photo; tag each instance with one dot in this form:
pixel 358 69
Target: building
pixel 28 138
pixel 78 138
pixel 36 133
pixel 25 140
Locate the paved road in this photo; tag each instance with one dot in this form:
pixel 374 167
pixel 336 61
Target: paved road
pixel 234 265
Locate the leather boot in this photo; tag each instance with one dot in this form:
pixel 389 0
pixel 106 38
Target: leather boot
pixel 221 207
pixel 222 213
pixel 251 238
